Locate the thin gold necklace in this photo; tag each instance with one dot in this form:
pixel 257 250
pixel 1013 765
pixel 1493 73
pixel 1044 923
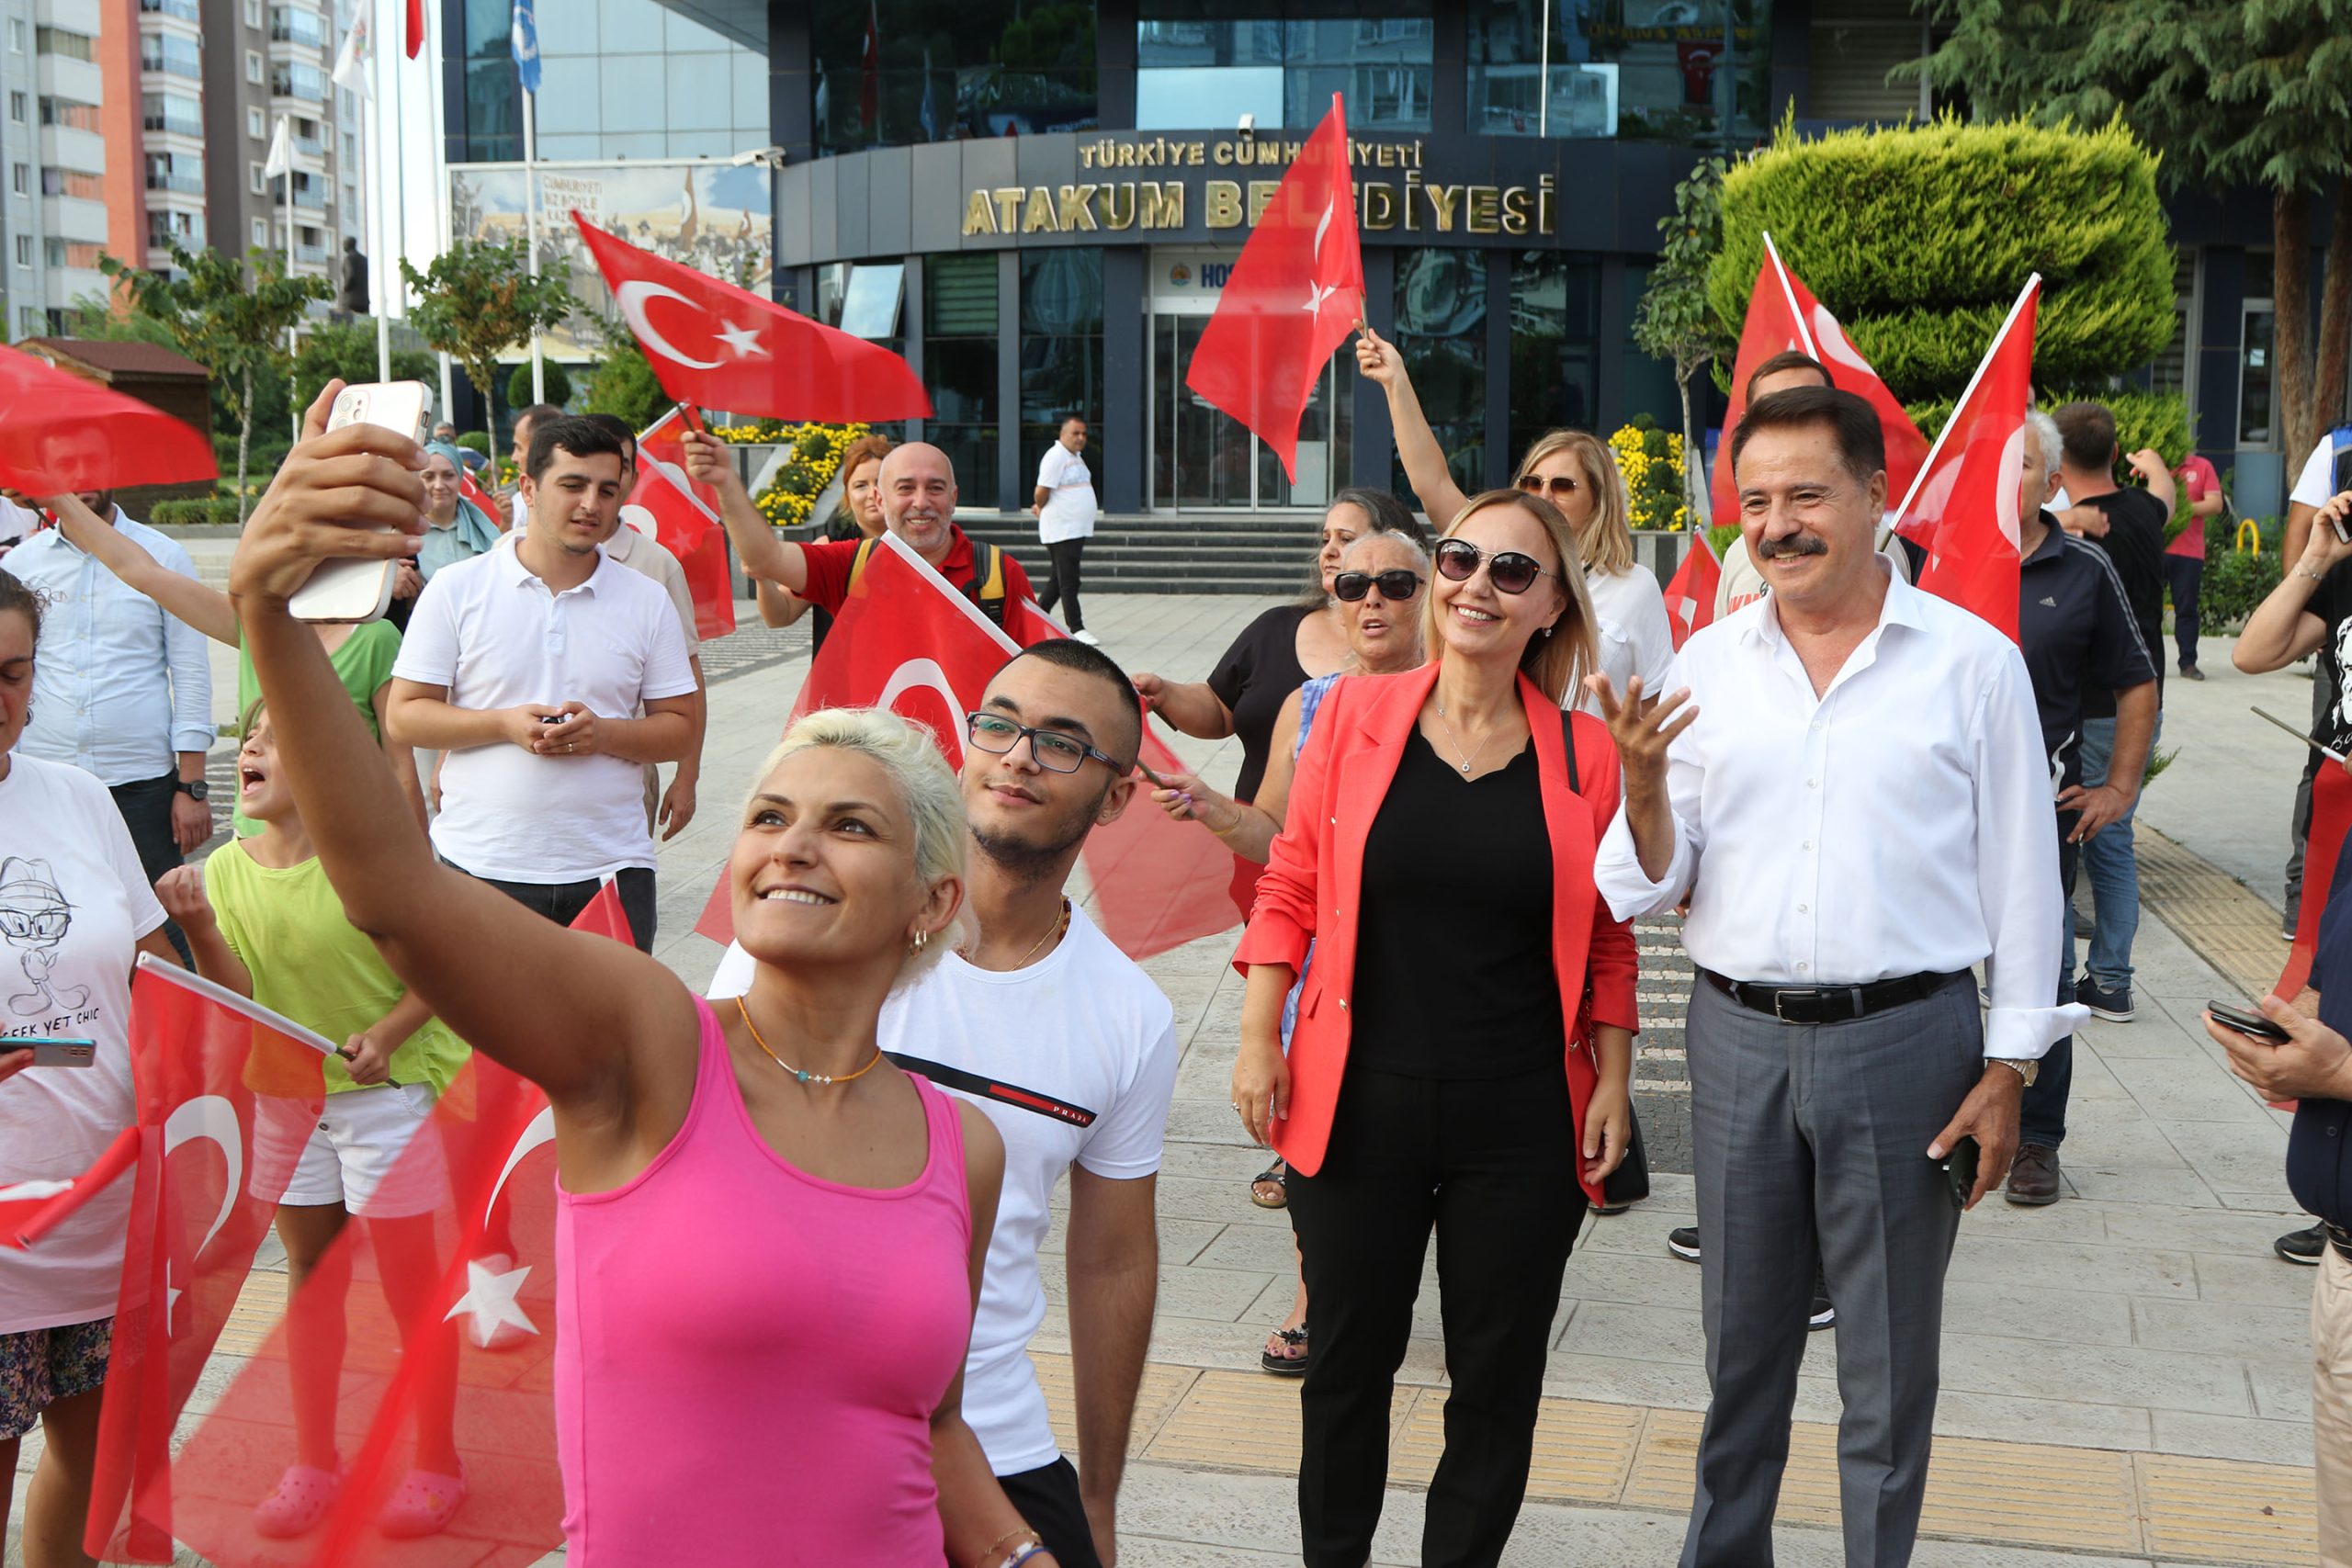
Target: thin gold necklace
pixel 1056 934
pixel 822 1080
pixel 1466 761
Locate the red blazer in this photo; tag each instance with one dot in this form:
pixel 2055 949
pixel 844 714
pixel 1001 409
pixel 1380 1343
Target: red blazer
pixel 1315 877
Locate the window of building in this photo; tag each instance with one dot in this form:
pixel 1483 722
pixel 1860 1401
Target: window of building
pixel 1062 348
pixel 76 253
pixel 256 125
pixel 71 45
pixel 2258 377
pixel 291 79
pixel 20 178
pixel 260 232
pixel 2174 369
pixel 293 24
pixel 173 54
pixel 960 364
pixel 73 117
pixel 15 36
pixel 1591 68
pixel 260 180
pixel 1280 66
pixel 980 68
pixel 252 13
pixel 1555 346
pixel 252 67
pixel 1441 332
pixel 173 112
pixel 24 250
pixel 70 182
pixel 17 109
pixel 635 79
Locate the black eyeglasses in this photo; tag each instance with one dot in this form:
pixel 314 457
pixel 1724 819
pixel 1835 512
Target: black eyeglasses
pixel 1394 586
pixel 1558 484
pixel 1509 571
pixel 1056 753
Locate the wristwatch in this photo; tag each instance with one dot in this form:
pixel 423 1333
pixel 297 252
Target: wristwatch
pixel 2028 1070
pixel 195 789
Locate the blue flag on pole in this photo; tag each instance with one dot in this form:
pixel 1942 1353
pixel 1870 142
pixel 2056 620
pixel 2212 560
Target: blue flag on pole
pixel 526 45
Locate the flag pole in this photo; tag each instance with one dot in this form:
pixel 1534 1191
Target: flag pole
pixel 286 130
pixel 1928 467
pixel 1796 314
pixel 531 220
pixel 372 131
pixel 437 172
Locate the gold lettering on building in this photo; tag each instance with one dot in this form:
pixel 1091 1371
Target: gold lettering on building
pixel 980 214
pixel 1162 204
pixel 1262 196
pixel 1221 203
pixel 1075 208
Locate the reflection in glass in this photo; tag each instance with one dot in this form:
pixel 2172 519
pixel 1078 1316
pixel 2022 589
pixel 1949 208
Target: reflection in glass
pixel 1441 332
pixel 1555 344
pixel 1062 350
pixel 1283 69
pixel 2255 378
pixel 959 367
pixel 1202 458
pixel 1635 68
pixel 948 72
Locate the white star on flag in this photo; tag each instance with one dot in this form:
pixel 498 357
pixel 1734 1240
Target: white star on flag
pixel 490 1302
pixel 1316 295
pixel 744 341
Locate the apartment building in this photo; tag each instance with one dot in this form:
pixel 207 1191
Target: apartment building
pixel 266 60
pixel 52 161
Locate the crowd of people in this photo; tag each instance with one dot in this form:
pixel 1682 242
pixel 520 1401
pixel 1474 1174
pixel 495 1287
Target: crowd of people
pixel 847 1151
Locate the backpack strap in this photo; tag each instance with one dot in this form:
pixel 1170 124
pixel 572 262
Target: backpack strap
pixel 857 562
pixel 1568 735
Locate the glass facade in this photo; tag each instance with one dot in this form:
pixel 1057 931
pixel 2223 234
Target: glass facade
pixel 959 367
pixel 1554 345
pixel 618 79
pixel 1207 65
pixel 1441 330
pixel 1634 68
pixel 949 69
pixel 1061 349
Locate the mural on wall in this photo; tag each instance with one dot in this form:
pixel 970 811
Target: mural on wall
pixel 713 217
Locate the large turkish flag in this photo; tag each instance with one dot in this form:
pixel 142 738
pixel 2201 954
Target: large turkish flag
pixel 61 435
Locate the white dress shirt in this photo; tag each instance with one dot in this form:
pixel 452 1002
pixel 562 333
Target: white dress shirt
pixel 1899 823
pixel 119 685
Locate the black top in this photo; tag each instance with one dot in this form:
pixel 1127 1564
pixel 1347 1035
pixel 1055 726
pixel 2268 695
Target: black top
pixel 2319 1171
pixel 2135 541
pixel 2078 634
pixel 1454 939
pixel 2332 603
pixel 1253 680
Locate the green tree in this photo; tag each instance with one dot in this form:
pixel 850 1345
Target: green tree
pixel 625 384
pixel 558 379
pixel 477 300
pixel 231 323
pixel 2227 92
pixel 346 350
pixel 1673 321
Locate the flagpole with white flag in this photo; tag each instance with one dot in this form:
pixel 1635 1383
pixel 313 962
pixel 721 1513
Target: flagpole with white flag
pixel 350 73
pixel 526 42
pixel 280 161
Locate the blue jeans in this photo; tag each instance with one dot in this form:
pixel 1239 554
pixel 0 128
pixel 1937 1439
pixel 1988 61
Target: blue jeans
pixel 2113 868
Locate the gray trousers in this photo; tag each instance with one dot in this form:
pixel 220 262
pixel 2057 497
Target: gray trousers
pixel 1815 1138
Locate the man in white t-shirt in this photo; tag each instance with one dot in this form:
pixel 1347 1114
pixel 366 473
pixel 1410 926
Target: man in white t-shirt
pixel 1072 1051
pixel 526 665
pixel 1065 512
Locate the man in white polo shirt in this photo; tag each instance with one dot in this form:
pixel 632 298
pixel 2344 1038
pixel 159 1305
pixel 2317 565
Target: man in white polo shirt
pixel 525 665
pixel 1065 512
pixel 1071 1050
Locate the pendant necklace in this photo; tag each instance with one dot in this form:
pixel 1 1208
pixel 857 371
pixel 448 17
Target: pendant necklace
pixel 823 1080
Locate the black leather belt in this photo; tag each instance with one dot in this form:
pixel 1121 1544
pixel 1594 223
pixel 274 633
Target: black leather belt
pixel 2340 1239
pixel 1830 1004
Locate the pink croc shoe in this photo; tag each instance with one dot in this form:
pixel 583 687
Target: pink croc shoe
pixel 304 1495
pixel 422 1503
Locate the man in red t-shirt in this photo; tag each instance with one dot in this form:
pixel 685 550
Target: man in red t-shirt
pixel 917 505
pixel 2185 556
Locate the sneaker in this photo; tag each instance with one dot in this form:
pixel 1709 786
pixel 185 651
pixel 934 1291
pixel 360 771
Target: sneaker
pixel 2190 672
pixel 2287 929
pixel 302 1497
pixel 423 1504
pixel 2302 1246
pixel 1683 1242
pixel 1823 1314
pixel 1089 638
pixel 2113 1006
pixel 2033 1177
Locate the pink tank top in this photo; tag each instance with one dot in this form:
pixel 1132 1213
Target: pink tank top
pixel 748 1357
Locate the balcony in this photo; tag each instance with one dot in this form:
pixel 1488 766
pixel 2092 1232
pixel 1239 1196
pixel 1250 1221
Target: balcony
pixel 185 183
pixel 74 218
pixel 288 25
pixel 69 286
pixel 311 201
pixel 309 255
pixel 172 121
pixel 299 82
pixel 83 17
pixel 83 151
pixel 185 10
pixel 309 146
pixel 79 80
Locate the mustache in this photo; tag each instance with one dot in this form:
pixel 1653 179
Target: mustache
pixel 1794 544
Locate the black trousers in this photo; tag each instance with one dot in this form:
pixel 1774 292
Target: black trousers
pixel 1492 1164
pixel 2185 574
pixel 1062 583
pixel 562 901
pixel 1048 1501
pixel 146 809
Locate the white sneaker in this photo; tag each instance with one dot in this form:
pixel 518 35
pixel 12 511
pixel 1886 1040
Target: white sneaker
pixel 1089 638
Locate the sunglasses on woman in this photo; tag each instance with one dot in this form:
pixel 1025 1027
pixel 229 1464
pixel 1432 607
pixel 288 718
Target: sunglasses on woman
pixel 1558 484
pixel 1394 586
pixel 1509 571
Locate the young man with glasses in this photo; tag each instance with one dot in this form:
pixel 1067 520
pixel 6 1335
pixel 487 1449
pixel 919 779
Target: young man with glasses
pixel 1072 1051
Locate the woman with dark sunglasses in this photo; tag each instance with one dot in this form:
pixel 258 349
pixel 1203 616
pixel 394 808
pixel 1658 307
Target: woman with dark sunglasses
pixel 1574 471
pixel 1464 1045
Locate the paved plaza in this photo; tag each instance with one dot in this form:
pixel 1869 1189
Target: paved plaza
pixel 2125 1374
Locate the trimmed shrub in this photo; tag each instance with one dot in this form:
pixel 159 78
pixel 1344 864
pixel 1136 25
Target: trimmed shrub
pixel 214 511
pixel 475 441
pixel 2237 581
pixel 1918 238
pixel 2141 419
pixel 559 385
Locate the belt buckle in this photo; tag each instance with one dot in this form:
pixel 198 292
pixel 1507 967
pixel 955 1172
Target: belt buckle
pixel 1810 993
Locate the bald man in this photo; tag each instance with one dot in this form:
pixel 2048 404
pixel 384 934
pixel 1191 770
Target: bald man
pixel 917 505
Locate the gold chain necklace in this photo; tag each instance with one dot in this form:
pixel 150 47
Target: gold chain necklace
pixel 1056 934
pixel 822 1080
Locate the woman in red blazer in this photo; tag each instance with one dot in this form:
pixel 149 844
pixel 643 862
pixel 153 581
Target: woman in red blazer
pixel 1446 1068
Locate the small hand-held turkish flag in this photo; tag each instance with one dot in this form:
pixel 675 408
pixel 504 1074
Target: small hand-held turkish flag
pixel 685 514
pixel 1691 597
pixel 1963 505
pixel 30 1209
pixel 1296 294
pixel 60 433
pixel 1782 314
pixel 2323 847
pixel 722 347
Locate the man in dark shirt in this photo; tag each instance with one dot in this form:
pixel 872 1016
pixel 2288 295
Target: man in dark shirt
pixel 2130 525
pixel 2078 636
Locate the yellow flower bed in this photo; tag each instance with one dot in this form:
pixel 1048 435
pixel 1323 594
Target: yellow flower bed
pixel 1652 463
pixel 816 458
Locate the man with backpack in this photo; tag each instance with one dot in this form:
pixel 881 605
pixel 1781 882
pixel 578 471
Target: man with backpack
pixel 917 505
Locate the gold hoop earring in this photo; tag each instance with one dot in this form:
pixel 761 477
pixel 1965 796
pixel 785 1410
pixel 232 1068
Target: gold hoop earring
pixel 921 940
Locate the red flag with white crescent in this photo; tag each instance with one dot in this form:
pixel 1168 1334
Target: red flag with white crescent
pixel 432 1318
pixel 718 346
pixel 30 1209
pixel 685 515
pixel 227 1094
pixel 1691 597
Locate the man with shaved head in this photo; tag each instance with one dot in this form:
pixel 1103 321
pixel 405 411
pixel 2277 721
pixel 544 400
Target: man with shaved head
pixel 917 505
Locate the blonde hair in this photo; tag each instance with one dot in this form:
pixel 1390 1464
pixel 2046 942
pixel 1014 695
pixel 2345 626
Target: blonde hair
pixel 1558 663
pixel 1605 542
pixel 909 754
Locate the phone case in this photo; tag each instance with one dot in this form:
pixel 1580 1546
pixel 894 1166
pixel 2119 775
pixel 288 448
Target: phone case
pixel 356 591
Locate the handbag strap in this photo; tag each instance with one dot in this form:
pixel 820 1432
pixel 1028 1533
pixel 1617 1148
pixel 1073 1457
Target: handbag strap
pixel 1568 735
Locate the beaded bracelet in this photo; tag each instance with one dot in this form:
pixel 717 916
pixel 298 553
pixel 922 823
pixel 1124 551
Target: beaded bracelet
pixel 1036 1550
pixel 1026 1543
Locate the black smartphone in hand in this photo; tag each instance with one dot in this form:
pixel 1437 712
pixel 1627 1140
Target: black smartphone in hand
pixel 2253 1025
pixel 1960 1170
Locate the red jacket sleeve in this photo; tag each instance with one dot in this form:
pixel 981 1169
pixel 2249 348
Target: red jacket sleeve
pixel 1016 580
pixel 1610 961
pixel 1282 922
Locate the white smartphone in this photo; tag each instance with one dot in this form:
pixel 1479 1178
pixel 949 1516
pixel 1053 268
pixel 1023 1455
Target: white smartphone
pixel 353 591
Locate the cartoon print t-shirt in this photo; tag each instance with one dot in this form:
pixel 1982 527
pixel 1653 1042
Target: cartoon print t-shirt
pixel 73 903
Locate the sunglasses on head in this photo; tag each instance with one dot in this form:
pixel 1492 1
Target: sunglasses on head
pixel 1559 484
pixel 1509 571
pixel 1394 586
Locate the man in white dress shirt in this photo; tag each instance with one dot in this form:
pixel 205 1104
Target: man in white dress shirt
pixel 1849 782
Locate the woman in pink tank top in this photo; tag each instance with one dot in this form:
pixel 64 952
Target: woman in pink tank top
pixel 769 1238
